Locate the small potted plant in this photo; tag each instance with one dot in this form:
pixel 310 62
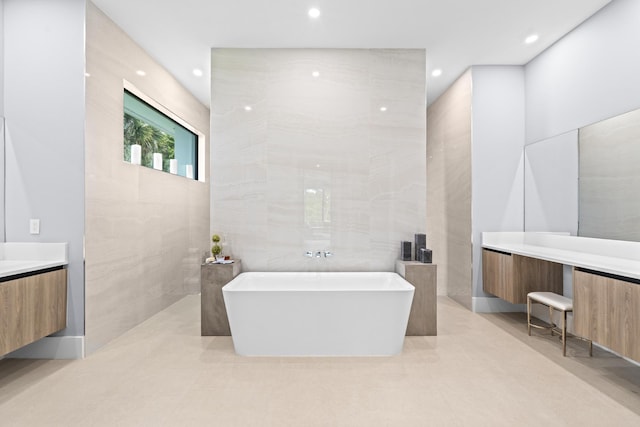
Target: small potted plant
pixel 216 249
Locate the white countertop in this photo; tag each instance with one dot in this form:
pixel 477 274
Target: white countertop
pixel 617 257
pixel 19 258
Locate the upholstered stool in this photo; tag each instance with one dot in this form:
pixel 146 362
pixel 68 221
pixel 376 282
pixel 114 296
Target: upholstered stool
pixel 554 302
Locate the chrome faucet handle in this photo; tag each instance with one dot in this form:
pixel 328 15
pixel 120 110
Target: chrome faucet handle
pixel 327 254
pixel 309 254
pixel 318 254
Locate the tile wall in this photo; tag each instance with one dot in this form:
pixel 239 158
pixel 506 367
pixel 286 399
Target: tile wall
pixel 449 189
pixel 318 150
pixel 146 230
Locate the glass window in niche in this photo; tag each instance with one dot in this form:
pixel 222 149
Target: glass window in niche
pixel 154 140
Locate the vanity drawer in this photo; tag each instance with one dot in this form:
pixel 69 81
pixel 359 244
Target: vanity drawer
pixel 32 307
pixel 606 310
pixel 511 277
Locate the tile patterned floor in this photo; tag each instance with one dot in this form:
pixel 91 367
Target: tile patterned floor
pixel 481 370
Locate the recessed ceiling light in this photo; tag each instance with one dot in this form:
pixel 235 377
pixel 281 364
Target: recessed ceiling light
pixel 383 109
pixel 141 73
pixel 531 39
pixel 87 75
pixel 247 108
pixel 314 12
pixel 316 74
pixel 197 72
pixel 437 72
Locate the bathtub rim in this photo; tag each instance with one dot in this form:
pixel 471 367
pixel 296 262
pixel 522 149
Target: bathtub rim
pixel 405 286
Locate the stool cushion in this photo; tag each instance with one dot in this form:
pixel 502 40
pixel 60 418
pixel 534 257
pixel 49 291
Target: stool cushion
pixel 551 299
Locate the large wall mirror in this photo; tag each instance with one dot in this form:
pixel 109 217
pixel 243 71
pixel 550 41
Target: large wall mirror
pixel 2 181
pixel 586 181
pixel 551 184
pixel 609 185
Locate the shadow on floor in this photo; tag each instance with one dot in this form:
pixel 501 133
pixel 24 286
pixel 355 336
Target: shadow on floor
pixel 611 374
pixel 22 374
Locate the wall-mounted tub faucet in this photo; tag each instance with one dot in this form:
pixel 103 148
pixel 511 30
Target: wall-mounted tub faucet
pixel 318 254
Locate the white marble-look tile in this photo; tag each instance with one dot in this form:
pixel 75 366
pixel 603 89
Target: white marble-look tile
pixel 325 134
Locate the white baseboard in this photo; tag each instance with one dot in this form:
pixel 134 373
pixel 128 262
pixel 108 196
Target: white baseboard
pixel 71 347
pixel 495 305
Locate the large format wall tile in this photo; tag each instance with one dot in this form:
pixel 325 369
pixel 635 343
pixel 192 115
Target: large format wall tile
pixel 315 165
pixel 146 231
pixel 449 189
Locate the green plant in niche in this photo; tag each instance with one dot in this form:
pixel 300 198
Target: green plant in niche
pixel 216 249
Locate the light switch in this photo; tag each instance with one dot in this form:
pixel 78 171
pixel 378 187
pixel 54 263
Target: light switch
pixel 34 226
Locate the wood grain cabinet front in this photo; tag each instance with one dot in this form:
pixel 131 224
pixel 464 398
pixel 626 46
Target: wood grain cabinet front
pixel 213 312
pixel 497 273
pixel 606 310
pixel 31 308
pixel 423 317
pixel 511 277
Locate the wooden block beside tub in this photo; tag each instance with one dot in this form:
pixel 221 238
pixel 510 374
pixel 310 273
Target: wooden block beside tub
pixel 423 318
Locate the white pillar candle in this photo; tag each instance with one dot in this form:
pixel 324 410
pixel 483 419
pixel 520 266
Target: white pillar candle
pixel 189 171
pixel 157 161
pixel 136 154
pixel 173 166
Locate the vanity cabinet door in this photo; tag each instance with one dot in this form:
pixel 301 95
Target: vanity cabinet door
pixel 32 307
pixel 535 275
pixel 511 277
pixel 607 311
pixel 497 273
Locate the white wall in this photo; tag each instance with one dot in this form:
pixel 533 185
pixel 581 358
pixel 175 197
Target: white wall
pixel 44 109
pixel 497 156
pixel 591 74
pixel 304 134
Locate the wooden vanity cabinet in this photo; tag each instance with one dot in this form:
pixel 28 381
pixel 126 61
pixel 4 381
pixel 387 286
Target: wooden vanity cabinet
pixel 31 307
pixel 606 310
pixel 511 277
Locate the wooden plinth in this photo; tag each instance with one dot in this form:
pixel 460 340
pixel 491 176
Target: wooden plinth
pixel 213 313
pixel 423 318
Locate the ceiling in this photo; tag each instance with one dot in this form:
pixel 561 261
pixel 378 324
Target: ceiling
pixel 455 33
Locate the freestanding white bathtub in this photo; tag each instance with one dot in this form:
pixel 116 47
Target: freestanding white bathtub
pixel 318 314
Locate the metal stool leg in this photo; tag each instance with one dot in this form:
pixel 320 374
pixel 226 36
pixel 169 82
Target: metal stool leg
pixel 529 316
pixel 564 333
